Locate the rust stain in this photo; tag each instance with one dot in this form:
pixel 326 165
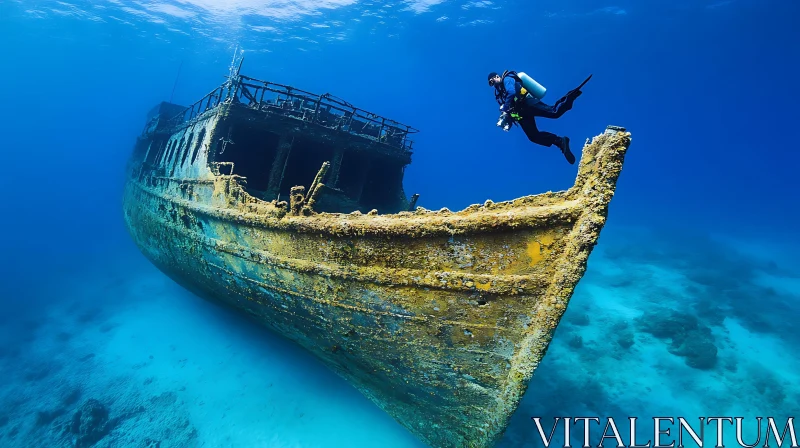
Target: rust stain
pixel 539 248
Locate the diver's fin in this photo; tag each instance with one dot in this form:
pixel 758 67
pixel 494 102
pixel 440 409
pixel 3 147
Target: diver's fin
pixel 578 89
pixel 584 82
pixel 574 93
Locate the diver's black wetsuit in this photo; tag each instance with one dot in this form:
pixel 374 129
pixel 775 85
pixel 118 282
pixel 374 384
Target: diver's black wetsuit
pixel 532 107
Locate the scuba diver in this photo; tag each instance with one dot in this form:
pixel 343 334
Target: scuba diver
pixel 520 102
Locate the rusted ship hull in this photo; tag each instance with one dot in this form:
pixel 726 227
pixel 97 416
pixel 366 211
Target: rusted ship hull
pixel 440 318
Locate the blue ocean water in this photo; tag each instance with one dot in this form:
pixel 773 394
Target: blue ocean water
pixel 689 303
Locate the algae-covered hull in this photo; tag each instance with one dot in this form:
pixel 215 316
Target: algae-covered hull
pixel 440 318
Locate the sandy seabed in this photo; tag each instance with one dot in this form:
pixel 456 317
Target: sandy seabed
pixel 112 353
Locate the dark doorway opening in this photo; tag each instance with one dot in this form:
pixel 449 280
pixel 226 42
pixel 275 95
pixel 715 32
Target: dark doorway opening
pixel 383 187
pixel 252 151
pixel 305 160
pixel 352 174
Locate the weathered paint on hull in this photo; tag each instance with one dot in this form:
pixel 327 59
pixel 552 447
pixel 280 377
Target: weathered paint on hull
pixel 440 318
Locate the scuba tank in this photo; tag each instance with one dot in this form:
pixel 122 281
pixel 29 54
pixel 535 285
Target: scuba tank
pixel 531 86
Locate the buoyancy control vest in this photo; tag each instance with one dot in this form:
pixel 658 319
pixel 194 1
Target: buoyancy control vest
pixel 529 88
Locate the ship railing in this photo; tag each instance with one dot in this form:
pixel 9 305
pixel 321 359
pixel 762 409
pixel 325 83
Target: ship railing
pixel 325 110
pixel 208 102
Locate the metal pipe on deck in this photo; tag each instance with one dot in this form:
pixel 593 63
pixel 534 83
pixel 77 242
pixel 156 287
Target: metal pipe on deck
pixel 314 190
pixel 336 166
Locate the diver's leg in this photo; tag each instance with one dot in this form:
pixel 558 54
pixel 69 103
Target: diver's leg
pixel 544 110
pixel 528 124
pixel 533 133
pixel 539 109
pixel 563 145
pixel 564 104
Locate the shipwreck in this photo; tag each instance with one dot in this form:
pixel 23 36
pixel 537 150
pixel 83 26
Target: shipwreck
pixel 289 206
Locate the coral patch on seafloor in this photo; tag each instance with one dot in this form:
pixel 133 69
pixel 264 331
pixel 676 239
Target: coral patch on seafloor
pixel 688 337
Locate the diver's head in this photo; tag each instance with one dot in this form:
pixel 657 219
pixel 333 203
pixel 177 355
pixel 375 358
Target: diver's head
pixel 494 78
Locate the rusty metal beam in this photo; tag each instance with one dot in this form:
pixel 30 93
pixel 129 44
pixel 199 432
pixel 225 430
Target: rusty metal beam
pixel 279 166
